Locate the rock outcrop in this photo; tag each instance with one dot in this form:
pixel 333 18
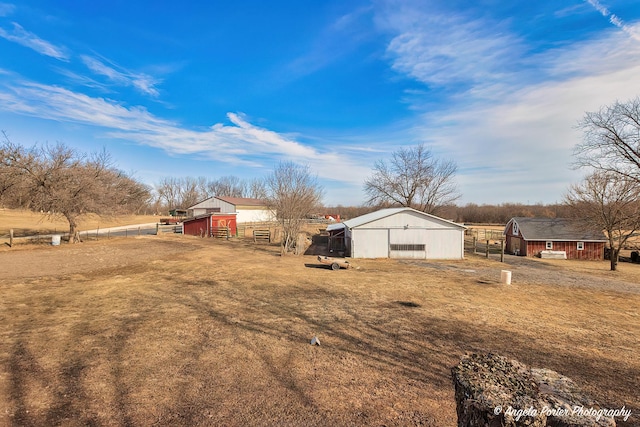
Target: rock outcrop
pixel 491 390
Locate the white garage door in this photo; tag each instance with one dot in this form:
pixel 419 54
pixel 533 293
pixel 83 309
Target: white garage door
pixel 407 243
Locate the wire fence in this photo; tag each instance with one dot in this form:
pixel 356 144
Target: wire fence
pixel 55 238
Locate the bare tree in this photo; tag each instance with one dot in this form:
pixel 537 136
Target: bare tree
pixel 168 191
pixel 229 186
pixel 610 202
pixel 256 189
pixel 611 139
pixel 293 193
pixel 56 180
pixel 173 192
pixel 176 193
pixel 191 191
pixel 413 178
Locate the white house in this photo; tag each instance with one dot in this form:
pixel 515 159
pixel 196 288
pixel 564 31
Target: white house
pixel 397 233
pixel 247 210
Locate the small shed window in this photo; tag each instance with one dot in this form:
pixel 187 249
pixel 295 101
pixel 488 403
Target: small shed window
pixel 515 228
pixel 549 245
pixel 580 246
pixel 407 247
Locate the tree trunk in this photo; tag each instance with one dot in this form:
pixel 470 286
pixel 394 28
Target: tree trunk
pixel 74 235
pixel 614 258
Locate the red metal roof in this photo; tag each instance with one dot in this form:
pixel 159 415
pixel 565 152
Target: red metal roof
pixel 242 201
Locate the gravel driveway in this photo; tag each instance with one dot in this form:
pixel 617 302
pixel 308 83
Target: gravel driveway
pixel 526 270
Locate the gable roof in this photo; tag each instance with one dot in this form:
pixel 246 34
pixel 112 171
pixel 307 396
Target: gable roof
pixel 236 201
pixel 383 213
pixel 555 229
pixel 242 201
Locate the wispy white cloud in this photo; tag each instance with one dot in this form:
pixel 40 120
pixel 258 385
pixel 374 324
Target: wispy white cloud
pixel 510 118
pixel 338 39
pixel 615 19
pixel 28 39
pixel 525 141
pixel 118 75
pixel 239 142
pixel 81 79
pixel 444 49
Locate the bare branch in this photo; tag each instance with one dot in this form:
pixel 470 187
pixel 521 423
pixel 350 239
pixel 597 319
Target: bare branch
pixel 609 202
pixel 413 178
pixel 294 195
pixel 611 140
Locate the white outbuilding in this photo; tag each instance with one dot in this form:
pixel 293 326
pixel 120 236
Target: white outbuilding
pixel 246 209
pixel 397 233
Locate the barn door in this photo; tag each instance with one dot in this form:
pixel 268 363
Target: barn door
pixel 407 243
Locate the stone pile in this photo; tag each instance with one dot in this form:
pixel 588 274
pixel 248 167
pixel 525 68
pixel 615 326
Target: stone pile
pixel 491 390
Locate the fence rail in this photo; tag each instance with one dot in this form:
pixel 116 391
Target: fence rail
pixel 97 234
pixel 485 234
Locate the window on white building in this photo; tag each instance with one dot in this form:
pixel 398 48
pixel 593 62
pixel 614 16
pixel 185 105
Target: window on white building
pixel 407 247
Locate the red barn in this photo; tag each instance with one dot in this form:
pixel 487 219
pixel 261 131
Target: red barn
pixel 211 225
pixel 533 236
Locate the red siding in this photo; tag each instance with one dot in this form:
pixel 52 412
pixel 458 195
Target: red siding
pixel 591 251
pixel 205 225
pixel 224 221
pixel 516 244
pixel 197 226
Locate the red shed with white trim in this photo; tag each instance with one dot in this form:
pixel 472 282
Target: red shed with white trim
pixel 210 225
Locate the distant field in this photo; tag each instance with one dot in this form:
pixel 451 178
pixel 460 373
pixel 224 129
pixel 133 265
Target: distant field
pixel 25 222
pixel 178 330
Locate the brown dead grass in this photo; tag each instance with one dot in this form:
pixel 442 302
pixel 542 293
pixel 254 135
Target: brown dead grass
pixel 199 332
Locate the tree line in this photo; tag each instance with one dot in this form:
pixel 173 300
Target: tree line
pixel 58 181
pixel 182 192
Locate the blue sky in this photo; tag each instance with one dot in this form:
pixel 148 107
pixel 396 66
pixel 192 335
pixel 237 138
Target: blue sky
pixel 232 88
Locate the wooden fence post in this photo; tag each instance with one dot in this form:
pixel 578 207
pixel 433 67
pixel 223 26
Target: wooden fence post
pixel 501 250
pixel 487 249
pixel 11 238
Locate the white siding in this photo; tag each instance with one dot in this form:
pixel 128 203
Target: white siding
pixel 245 213
pixel 254 215
pixel 367 243
pixel 373 238
pixel 410 218
pixel 201 208
pixel 410 236
pixel 445 244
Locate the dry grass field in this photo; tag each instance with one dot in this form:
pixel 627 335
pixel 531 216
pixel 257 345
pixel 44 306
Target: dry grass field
pixel 177 330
